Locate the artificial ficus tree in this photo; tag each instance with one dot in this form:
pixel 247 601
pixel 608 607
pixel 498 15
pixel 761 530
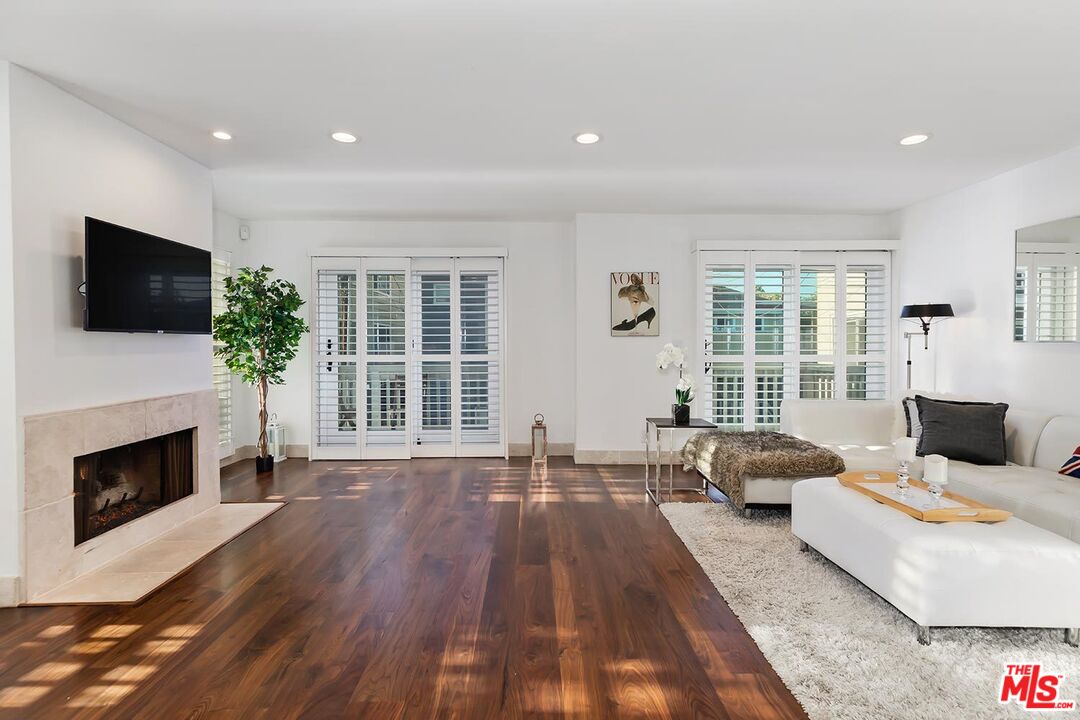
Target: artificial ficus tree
pixel 259 332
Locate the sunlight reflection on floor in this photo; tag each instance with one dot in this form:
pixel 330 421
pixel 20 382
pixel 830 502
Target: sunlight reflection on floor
pixel 114 683
pixel 22 695
pixel 101 695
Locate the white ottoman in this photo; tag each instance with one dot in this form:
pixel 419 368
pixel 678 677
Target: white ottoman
pixel 1008 574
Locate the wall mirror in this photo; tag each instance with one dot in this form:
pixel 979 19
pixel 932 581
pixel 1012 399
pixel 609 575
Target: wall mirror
pixel 1044 282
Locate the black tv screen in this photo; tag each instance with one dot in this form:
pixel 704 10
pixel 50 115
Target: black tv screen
pixel 137 282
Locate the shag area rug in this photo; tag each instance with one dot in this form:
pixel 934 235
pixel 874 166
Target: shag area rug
pixel 844 652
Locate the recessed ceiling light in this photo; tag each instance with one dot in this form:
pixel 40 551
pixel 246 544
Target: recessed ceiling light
pixel 587 138
pixel 916 139
pixel 222 135
pixel 343 137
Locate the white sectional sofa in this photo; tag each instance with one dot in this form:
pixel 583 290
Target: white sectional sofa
pixel 1037 444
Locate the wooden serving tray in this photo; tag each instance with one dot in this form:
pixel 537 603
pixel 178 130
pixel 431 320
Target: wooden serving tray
pixel 970 511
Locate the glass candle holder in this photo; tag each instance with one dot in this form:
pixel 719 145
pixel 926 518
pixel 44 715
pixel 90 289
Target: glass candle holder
pixel 902 478
pixel 904 449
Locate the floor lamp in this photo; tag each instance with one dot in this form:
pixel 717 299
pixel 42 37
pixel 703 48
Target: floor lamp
pixel 924 314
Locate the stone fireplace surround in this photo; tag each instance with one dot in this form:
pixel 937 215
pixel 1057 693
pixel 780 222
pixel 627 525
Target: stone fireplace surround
pixel 53 441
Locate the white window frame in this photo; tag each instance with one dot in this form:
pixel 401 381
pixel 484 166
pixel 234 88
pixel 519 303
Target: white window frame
pixel 791 358
pixel 226 437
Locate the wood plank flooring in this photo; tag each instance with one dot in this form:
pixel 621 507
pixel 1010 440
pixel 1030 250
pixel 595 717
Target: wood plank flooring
pixel 421 589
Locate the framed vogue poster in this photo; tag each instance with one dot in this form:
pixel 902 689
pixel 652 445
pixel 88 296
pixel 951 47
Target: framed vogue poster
pixel 635 304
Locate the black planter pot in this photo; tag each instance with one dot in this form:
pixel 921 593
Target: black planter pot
pixel 680 414
pixel 264 464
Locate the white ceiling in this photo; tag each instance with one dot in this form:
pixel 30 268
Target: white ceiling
pixel 467 108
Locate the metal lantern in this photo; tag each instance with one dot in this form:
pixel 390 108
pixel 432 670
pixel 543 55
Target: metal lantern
pixel 539 439
pixel 275 438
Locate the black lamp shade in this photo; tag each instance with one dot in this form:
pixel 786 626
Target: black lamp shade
pixel 928 311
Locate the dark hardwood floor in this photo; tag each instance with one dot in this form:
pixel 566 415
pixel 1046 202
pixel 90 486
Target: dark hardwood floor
pixel 420 589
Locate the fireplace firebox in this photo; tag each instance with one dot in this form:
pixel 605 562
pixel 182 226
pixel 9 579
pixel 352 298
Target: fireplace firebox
pixel 118 485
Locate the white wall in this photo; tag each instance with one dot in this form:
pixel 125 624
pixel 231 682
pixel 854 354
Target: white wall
pixel 69 160
pixel 958 248
pixel 617 381
pixel 10 430
pixel 540 304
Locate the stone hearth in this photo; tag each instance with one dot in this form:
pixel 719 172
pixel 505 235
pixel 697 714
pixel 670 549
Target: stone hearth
pixel 53 441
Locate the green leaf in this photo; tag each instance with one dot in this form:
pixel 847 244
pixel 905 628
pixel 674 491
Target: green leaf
pixel 259 332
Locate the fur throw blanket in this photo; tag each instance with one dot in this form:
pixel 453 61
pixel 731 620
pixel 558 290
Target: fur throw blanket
pixel 725 458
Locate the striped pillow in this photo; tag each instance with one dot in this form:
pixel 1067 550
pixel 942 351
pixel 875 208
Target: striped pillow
pixel 911 415
pixel 1072 465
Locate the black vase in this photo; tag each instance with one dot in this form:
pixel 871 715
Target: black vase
pixel 680 414
pixel 264 464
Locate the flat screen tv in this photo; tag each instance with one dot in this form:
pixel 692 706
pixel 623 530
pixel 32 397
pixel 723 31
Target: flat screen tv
pixel 140 283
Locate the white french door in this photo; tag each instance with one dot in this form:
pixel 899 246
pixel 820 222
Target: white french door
pixel 408 357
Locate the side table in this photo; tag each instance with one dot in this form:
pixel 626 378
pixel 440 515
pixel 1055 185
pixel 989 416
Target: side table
pixel 655 425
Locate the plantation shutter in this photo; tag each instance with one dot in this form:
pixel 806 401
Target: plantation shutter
pixel 1055 299
pixel 867 312
pixel 1020 301
pixel 480 331
pixel 774 333
pixel 221 268
pixel 432 388
pixel 385 312
pixel 335 395
pixel 725 342
pixel 817 332
pixel 1045 297
pixel 408 356
pixel 818 327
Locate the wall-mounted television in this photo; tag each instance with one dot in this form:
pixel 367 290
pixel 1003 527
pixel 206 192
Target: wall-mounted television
pixel 141 283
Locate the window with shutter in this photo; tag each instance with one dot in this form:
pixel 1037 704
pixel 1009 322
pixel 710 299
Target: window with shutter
pixel 432 369
pixel 221 268
pixel 817 331
pixel 408 357
pixel 1055 301
pixel 867 318
pixel 818 327
pixel 334 335
pixel 385 312
pixel 1020 296
pixel 1045 307
pixel 480 392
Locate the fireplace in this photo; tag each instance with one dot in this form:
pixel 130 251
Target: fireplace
pixel 118 485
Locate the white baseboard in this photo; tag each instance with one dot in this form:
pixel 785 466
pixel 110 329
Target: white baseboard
pixel 247 452
pixel 297 451
pixel 581 457
pixel 620 457
pixel 244 452
pixel 554 449
pixel 10 590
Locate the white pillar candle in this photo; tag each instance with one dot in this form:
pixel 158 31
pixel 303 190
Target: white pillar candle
pixel 936 469
pixel 905 449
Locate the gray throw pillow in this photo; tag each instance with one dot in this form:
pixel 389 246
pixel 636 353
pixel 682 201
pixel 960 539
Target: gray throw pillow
pixel 970 431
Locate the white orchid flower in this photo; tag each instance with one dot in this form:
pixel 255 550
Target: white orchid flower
pixel 667 356
pixel 670 355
